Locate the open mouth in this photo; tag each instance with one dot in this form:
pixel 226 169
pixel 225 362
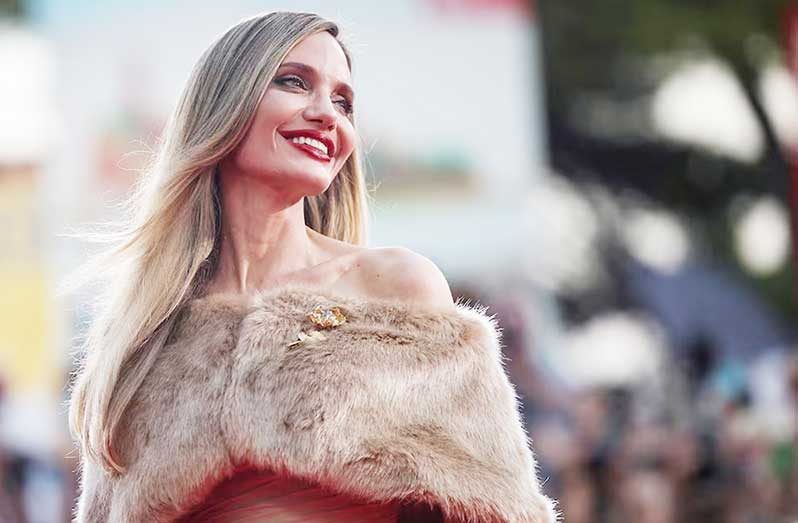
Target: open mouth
pixel 312 143
pixel 311 149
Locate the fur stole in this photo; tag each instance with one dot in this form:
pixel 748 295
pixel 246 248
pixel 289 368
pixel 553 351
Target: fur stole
pixel 398 403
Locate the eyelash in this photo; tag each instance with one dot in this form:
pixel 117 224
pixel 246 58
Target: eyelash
pixel 298 82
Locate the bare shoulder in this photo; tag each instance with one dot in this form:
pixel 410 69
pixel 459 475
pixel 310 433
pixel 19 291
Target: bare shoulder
pixel 400 273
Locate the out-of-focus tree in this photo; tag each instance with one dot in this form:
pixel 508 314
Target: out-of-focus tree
pixel 12 8
pixel 605 50
pixel 590 45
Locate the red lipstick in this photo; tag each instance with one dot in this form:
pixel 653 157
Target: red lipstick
pixel 310 150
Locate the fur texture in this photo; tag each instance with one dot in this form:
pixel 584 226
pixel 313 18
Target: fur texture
pixel 398 403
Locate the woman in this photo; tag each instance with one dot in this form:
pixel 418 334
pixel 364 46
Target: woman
pixel 252 361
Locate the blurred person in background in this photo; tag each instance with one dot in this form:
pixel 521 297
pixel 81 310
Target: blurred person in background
pixel 11 479
pixel 251 359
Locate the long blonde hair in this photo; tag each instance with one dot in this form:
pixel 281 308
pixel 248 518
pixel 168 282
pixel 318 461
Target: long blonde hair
pixel 167 250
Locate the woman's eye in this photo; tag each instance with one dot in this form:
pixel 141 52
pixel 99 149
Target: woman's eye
pixel 298 83
pixel 345 104
pixel 292 81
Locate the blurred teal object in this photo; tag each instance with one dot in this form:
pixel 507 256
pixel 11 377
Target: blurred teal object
pixel 730 380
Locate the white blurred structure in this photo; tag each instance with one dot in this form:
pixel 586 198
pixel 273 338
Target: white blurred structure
pixel 612 349
pixel 779 91
pixel 29 121
pixel 656 237
pixel 762 235
pixel 702 103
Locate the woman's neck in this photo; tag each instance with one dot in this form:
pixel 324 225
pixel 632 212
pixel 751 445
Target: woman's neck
pixel 263 237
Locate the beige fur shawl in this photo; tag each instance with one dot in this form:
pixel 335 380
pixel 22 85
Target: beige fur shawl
pixel 397 403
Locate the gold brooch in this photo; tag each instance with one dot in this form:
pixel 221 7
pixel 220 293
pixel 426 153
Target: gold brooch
pixel 327 317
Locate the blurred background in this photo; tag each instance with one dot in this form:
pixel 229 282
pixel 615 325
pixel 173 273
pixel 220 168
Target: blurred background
pixel 618 181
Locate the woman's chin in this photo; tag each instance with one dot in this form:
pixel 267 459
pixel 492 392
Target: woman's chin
pixel 301 180
pixel 319 190
pixel 316 183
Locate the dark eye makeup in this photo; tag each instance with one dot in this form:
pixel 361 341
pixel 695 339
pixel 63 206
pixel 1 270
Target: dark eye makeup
pixel 292 81
pixel 297 82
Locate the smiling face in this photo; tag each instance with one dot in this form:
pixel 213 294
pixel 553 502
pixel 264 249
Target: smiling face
pixel 302 133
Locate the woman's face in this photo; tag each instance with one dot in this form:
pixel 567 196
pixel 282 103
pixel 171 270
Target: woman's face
pixel 302 133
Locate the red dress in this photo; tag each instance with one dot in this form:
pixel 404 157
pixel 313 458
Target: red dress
pixel 253 496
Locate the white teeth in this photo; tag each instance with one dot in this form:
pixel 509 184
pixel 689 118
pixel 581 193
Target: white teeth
pixel 310 141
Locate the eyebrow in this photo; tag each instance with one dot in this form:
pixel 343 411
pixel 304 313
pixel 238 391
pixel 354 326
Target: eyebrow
pixel 304 67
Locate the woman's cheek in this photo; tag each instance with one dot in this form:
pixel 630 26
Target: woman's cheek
pixel 348 139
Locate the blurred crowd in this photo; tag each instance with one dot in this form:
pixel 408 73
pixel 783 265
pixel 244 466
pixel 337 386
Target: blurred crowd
pixel 695 445
pixel 36 487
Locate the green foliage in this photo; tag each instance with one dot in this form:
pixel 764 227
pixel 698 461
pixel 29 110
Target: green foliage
pixel 607 50
pixel 586 43
pixel 12 8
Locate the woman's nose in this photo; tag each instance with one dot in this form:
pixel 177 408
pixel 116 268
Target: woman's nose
pixel 321 111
